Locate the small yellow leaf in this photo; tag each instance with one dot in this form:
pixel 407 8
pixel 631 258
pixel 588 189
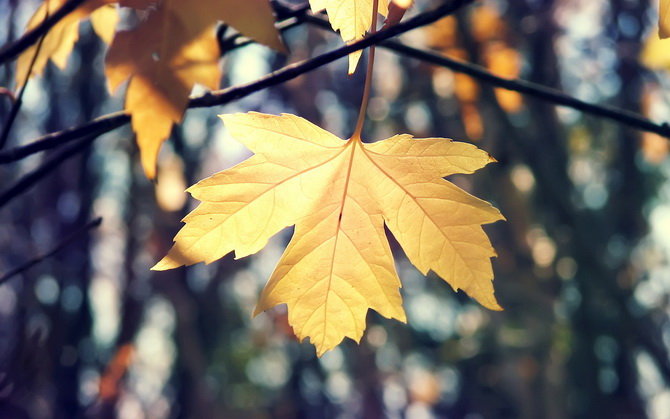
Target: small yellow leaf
pixel 352 18
pixel 339 194
pixel 59 41
pixel 165 56
pixel 664 19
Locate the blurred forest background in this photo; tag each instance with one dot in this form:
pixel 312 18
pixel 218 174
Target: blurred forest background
pixel 583 270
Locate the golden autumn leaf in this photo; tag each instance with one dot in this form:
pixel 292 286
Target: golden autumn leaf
pixel 352 18
pixel 664 19
pixel 59 41
pixel 166 55
pixel 339 195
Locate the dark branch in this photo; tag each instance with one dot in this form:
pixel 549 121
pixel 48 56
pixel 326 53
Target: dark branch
pixel 16 105
pixel 621 116
pixel 96 127
pixel 292 71
pixel 109 122
pixel 528 88
pixel 11 51
pixel 60 245
pixel 27 181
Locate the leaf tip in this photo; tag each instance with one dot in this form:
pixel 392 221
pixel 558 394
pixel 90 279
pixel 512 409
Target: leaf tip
pixel 162 265
pixel 171 261
pixel 489 301
pixel 494 306
pixel 229 117
pixel 258 310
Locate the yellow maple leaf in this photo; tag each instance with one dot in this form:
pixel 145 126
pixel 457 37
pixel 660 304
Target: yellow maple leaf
pixel 664 19
pixel 339 194
pixel 352 18
pixel 169 53
pixel 59 41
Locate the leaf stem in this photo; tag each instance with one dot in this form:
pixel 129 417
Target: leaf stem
pixel 368 75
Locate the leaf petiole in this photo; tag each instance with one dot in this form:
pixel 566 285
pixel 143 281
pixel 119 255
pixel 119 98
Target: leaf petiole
pixel 368 76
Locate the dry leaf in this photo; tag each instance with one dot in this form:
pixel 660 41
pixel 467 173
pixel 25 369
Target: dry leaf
pixel 352 18
pixel 169 53
pixel 339 194
pixel 60 39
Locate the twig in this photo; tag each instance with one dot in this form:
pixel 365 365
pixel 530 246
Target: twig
pixel 522 86
pixel 28 180
pixel 16 105
pixel 60 245
pixel 11 51
pixel 622 116
pixel 98 126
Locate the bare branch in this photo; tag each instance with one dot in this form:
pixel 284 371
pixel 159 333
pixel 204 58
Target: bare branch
pixel 539 91
pixel 220 97
pixel 63 243
pixel 96 127
pixel 27 181
pixel 16 105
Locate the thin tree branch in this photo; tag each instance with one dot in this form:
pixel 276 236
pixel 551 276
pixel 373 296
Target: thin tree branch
pixel 16 105
pixel 557 97
pixel 11 51
pixel 60 245
pixel 109 122
pixel 96 127
pixel 27 181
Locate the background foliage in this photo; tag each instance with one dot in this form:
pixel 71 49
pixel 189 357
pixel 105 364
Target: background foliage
pixel 582 270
